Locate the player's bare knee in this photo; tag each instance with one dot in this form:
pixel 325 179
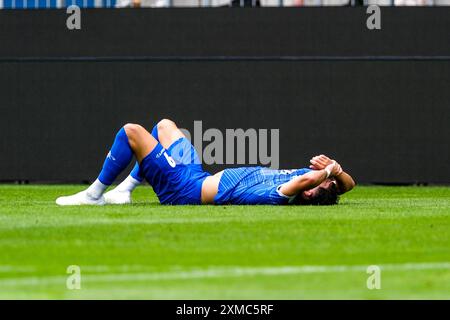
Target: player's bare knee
pixel 132 130
pixel 165 124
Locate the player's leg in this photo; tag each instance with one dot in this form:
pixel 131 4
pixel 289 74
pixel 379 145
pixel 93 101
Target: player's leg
pixel 166 132
pixel 136 176
pixel 131 140
pixel 122 193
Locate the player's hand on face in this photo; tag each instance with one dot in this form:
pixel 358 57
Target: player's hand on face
pixel 320 162
pixel 335 168
pixel 338 169
pixel 316 164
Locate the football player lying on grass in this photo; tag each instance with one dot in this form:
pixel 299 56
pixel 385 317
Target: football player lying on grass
pixel 170 164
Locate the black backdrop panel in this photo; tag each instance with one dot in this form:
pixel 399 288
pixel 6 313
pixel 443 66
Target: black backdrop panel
pixel 385 121
pixel 226 32
pixel 378 101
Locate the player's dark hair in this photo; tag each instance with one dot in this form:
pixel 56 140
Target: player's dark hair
pixel 324 197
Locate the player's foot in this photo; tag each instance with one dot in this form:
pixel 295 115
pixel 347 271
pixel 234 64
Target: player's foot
pixel 117 197
pixel 79 199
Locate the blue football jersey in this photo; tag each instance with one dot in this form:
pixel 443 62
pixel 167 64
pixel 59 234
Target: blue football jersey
pixel 254 185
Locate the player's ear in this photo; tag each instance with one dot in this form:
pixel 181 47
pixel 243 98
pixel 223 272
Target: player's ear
pixel 308 193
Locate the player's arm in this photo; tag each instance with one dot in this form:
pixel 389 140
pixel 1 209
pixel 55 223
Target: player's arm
pixel 308 180
pixel 344 181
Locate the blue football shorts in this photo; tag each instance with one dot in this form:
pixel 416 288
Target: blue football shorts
pixel 176 174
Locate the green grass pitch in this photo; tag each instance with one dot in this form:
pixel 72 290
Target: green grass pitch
pixel 149 251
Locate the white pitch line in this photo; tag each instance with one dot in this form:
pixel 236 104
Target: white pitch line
pixel 139 221
pixel 218 272
pixel 7 269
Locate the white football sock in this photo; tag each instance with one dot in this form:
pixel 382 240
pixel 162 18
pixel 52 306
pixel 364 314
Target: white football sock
pixel 96 189
pixel 128 185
